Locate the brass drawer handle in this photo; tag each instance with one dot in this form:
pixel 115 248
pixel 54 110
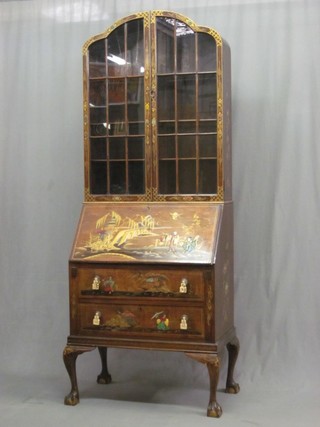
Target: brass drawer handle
pixel 184 322
pixel 184 286
pixel 96 318
pixel 96 283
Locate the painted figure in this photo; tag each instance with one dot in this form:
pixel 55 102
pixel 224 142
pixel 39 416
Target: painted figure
pixel 174 239
pixel 109 285
pixel 162 321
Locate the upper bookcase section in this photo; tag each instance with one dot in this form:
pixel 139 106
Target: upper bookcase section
pixel 157 111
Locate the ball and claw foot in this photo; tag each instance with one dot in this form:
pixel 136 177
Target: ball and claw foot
pixel 104 379
pixel 214 410
pixel 233 388
pixel 71 399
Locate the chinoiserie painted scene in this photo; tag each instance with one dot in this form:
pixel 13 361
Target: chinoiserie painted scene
pixel 152 232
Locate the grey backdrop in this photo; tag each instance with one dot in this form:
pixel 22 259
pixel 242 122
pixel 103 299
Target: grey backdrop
pixel 276 189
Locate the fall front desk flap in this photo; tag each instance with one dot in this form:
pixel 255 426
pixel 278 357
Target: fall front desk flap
pixel 148 232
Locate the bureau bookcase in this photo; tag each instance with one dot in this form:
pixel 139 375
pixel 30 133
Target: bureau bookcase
pixel 151 265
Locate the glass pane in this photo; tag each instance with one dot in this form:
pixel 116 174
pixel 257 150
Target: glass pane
pixel 98 148
pixel 208 145
pixel 165 45
pixel 186 57
pixel 97 115
pixel 167 147
pixel 167 177
pixel 135 90
pixel 116 53
pixel 97 59
pixel 97 93
pixel 97 52
pixel 136 178
pixel 99 129
pixel 117 177
pixel 187 126
pixel 116 124
pixel 186 97
pixel 117 149
pixel 136 148
pixel 165 97
pixel 187 147
pixel 187 176
pixel 208 177
pixel 135 112
pixel 206 52
pixel 207 96
pixel 116 89
pixel 98 176
pixel 136 128
pixel 207 126
pixel 135 95
pixel 135 48
pixel 166 127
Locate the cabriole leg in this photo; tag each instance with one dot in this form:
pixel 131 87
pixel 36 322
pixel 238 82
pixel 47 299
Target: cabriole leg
pixel 213 364
pixel 233 350
pixel 70 355
pixel 104 377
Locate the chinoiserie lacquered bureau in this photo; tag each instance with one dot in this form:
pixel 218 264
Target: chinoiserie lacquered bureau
pixel 152 261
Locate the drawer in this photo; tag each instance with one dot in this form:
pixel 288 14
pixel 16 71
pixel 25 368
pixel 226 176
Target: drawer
pixel 139 282
pixel 151 321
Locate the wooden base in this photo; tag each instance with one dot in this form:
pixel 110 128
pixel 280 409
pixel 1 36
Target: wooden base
pixel 212 360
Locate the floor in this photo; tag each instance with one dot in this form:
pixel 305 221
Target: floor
pixel 38 402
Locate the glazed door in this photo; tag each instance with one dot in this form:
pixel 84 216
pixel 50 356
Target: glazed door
pixel 186 109
pixel 152 102
pixel 116 144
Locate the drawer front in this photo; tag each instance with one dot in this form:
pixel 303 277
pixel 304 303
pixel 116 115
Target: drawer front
pixel 139 282
pixel 150 321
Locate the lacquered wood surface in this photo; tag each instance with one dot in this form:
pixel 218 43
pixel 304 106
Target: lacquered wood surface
pixel 152 232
